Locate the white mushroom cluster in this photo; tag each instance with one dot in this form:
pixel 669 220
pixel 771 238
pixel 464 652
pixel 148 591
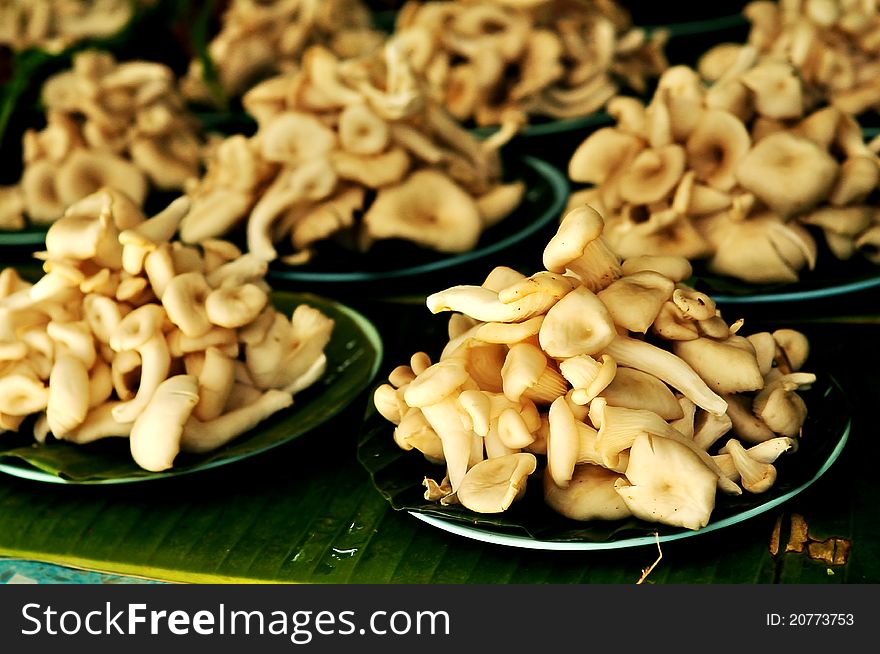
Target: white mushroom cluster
pixel 53 25
pixel 623 388
pixel 738 174
pixel 351 150
pixel 259 39
pixel 117 124
pixel 492 61
pixel 132 334
pixel 833 44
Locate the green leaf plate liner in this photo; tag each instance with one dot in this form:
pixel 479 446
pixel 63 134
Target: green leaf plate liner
pixel 354 354
pixel 398 476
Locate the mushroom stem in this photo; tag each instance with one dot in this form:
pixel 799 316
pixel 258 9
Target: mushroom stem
pixel 156 433
pixel 667 367
pixel 155 365
pixel 200 437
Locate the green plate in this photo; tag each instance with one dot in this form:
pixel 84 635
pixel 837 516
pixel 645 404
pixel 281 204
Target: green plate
pixel 29 236
pixel 354 353
pixel 545 127
pixel 544 201
pixel 531 524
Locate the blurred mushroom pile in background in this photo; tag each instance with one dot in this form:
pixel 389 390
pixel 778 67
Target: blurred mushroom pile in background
pixel 354 151
pixel 833 44
pixel 123 125
pixel 614 380
pixel 53 25
pixel 259 39
pixel 130 334
pixel 739 174
pixel 494 61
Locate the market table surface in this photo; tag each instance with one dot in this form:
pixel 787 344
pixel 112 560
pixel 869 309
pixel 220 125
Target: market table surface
pixel 308 513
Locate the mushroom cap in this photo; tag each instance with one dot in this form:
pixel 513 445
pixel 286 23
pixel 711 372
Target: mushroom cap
pixel 729 366
pixel 761 249
pixel 429 209
pixel 492 485
pixel 578 228
pixel 666 482
pixel 634 389
pixel 578 324
pixel 87 171
pixel 715 148
pixel 590 495
pixel 675 268
pixel 652 174
pixel 603 153
pixel 789 174
pixel 635 300
pixel 776 89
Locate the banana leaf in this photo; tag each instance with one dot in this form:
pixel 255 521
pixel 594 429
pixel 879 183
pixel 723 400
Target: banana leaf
pixel 353 354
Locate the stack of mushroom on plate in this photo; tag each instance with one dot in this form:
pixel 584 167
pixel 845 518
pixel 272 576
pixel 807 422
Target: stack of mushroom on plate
pixel 118 124
pixel 132 334
pixel 259 39
pixel 738 174
pixel 352 151
pixel 497 61
pixel 53 25
pixel 833 44
pixel 625 389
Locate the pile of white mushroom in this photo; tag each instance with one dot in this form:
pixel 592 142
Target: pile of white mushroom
pixel 123 125
pixel 738 174
pixel 53 25
pixel 132 334
pixel 492 61
pixel 620 385
pixel 259 39
pixel 833 44
pixel 354 151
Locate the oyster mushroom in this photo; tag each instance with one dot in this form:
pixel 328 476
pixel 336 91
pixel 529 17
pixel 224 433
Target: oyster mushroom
pixel 652 174
pixel 667 367
pixel 788 173
pixel 755 476
pixel 492 485
pixel 427 208
pixel 635 300
pixel 716 147
pixel 667 483
pixel 728 366
pixel 579 247
pixel 635 389
pixel 157 430
pixel 528 373
pixel 589 495
pixel 762 249
pixel 577 324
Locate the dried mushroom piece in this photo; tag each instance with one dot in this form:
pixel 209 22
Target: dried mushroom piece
pixel 492 62
pixel 132 334
pixel 574 375
pixel 117 125
pixel 741 174
pixel 351 151
pixel 258 40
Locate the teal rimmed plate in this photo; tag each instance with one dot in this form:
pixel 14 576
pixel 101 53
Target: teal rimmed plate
pixel 354 354
pixel 27 237
pixel 543 204
pixel 530 524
